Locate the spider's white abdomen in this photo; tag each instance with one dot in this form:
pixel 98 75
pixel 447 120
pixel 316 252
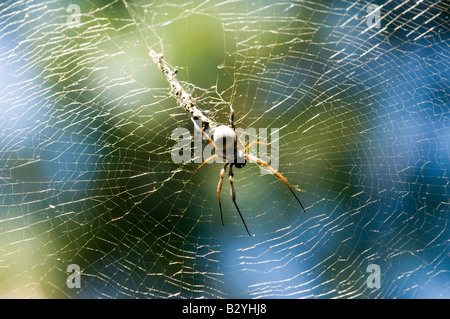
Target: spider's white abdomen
pixel 224 138
pixel 224 131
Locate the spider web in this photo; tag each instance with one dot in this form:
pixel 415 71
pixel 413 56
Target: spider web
pixel 86 174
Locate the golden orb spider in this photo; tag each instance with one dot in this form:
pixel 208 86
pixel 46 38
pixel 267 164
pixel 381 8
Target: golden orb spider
pixel 226 137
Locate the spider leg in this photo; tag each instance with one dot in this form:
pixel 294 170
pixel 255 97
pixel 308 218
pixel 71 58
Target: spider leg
pixel 219 188
pixel 236 145
pixel 233 197
pixel 232 117
pixel 204 134
pixel 206 161
pixel 260 161
pixel 253 143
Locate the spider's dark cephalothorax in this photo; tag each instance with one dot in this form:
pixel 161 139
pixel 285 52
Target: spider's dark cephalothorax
pixel 226 144
pixel 239 164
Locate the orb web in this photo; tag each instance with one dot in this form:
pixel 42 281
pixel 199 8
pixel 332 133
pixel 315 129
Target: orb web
pixel 87 178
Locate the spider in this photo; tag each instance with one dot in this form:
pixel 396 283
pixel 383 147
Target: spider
pixel 225 136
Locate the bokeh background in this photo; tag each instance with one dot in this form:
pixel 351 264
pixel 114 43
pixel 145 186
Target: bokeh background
pixel 86 176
